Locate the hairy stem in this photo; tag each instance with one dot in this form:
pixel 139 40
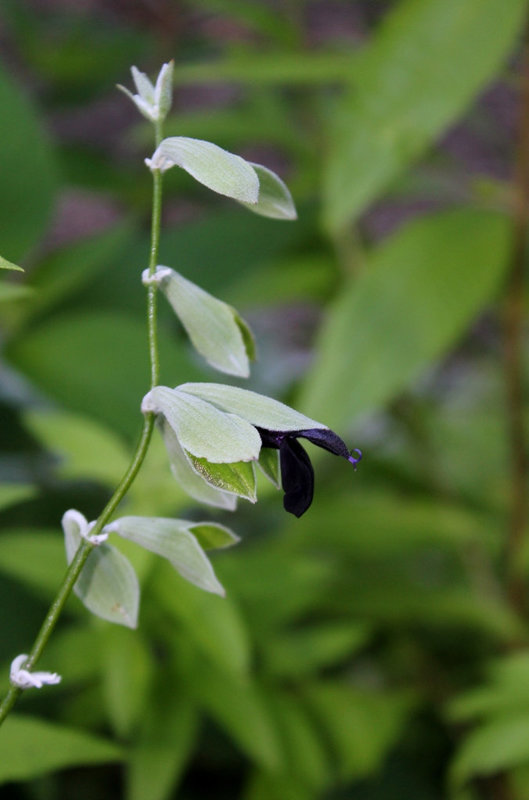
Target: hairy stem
pixel 86 547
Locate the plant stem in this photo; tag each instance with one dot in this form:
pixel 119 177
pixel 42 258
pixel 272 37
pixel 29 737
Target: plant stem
pixel 86 547
pixel 513 346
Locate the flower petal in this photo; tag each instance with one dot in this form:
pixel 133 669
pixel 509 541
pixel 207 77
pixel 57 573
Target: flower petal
pixel 327 439
pixel 297 477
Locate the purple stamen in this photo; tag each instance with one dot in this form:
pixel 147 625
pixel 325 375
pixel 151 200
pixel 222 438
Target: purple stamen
pixel 355 461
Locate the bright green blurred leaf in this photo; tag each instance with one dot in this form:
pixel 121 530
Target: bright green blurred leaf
pixel 28 172
pixel 415 78
pixel 35 558
pixel 421 289
pixel 498 745
pixel 32 747
pixel 173 540
pixel 213 623
pixel 126 670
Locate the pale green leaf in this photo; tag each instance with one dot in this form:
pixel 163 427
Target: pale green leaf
pixel 32 747
pixel 255 408
pixel 212 535
pixel 171 539
pixel 420 290
pixel 213 326
pixel 236 477
pixel 187 477
pixel 201 428
pixel 223 172
pixel 415 78
pixel 275 200
pixel 107 586
pixel 5 264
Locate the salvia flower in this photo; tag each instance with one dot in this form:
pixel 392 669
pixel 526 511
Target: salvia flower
pixel 297 473
pixel 220 432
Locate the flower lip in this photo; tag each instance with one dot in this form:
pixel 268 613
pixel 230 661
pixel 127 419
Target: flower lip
pixel 297 474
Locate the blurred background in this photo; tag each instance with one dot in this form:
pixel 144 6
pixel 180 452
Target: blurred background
pixel 375 649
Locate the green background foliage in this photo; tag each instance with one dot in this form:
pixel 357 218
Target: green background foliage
pixel 369 649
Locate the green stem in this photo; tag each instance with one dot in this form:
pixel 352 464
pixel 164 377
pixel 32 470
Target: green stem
pixel 86 547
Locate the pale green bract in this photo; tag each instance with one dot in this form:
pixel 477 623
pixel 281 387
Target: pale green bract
pixel 174 540
pixel 108 585
pixel 255 186
pixel 219 170
pixel 216 330
pixel 202 429
pixel 275 200
pixel 255 408
pixel 153 102
pixel 5 264
pixel 189 479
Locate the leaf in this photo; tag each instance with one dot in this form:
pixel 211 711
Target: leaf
pixel 212 536
pixel 32 747
pixel 13 291
pixel 86 449
pixel 127 669
pixel 95 363
pixel 501 744
pixel 346 715
pixel 238 705
pixel 217 169
pixel 5 264
pixel 187 477
pixel 107 585
pixel 43 570
pixel 202 429
pixel 11 493
pixel 213 326
pixel 213 623
pixel 28 170
pixel 237 478
pixel 422 288
pixel 415 78
pixel 171 539
pixel 255 408
pixel 275 200
pixel 162 746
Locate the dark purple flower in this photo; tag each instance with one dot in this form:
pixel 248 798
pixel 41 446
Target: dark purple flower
pixel 297 474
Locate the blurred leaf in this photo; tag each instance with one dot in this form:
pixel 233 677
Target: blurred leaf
pixel 273 67
pixel 493 747
pixel 86 449
pixel 71 651
pixel 35 558
pixel 95 363
pixel 126 670
pixel 303 746
pixel 266 786
pixel 162 746
pixel 28 172
pixel 68 270
pixel 347 714
pixel 415 78
pixel 302 652
pixel 11 493
pixel 505 693
pixel 237 704
pixel 13 291
pixel 422 288
pixel 171 539
pixel 212 622
pixel 31 747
